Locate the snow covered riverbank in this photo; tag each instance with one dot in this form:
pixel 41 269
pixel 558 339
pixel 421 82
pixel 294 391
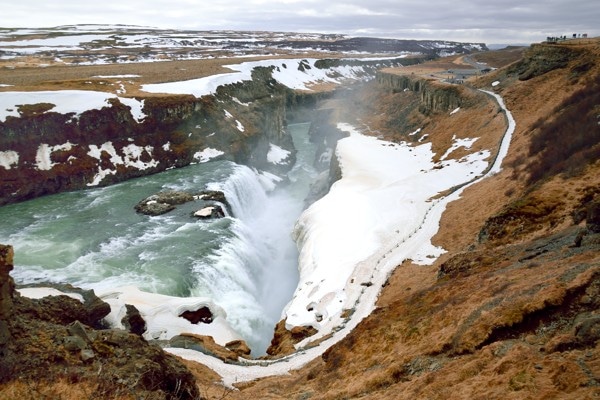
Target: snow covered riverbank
pixel 378 215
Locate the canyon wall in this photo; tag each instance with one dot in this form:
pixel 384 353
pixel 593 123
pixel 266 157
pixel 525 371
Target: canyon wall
pixel 44 152
pixel 435 96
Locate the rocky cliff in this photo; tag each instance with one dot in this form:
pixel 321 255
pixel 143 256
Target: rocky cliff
pixel 434 95
pixel 44 152
pixel 60 340
pixel 510 311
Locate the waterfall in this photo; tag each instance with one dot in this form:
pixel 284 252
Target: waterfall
pixel 246 262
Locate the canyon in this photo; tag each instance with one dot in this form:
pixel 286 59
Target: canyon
pixel 510 309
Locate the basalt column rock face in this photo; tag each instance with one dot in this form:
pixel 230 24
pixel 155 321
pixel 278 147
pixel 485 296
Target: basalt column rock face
pixel 44 152
pixel 435 96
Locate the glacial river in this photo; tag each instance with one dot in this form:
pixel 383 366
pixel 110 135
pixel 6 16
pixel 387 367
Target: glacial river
pixel 247 263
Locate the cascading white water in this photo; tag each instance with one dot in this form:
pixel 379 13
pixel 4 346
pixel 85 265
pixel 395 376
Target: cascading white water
pixel 246 263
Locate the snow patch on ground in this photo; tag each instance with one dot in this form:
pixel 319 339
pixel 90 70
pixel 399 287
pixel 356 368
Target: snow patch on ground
pixel 117 76
pixel 277 155
pixel 136 107
pixel 44 152
pixel 288 72
pixel 458 143
pixel 40 293
pixel 8 159
pixel 401 228
pixel 239 126
pixel 207 154
pixel 131 158
pixel 161 314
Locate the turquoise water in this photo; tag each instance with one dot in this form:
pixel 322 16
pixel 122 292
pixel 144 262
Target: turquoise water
pixel 247 263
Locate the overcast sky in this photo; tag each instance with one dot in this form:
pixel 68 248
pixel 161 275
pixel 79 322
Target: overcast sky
pixel 499 21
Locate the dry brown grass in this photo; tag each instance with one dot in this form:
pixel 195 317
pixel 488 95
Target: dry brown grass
pixel 28 76
pixel 62 390
pixel 491 331
pixel 501 329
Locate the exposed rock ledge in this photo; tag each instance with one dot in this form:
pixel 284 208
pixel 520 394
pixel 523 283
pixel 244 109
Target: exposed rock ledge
pixel 214 203
pixel 41 339
pixel 435 96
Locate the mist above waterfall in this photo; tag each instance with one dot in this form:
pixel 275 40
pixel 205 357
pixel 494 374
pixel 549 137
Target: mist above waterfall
pixel 245 263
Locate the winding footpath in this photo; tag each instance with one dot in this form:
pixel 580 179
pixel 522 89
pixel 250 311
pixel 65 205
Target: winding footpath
pixel 376 269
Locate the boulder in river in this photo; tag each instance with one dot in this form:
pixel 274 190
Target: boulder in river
pixel 210 212
pixel 162 202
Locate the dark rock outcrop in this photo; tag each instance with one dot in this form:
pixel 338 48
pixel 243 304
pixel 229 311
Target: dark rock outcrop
pixel 65 309
pixel 435 96
pixel 540 59
pixel 133 320
pixel 7 287
pixel 593 216
pixel 206 345
pixel 52 152
pixel 53 340
pixel 203 314
pixel 162 203
pixel 210 212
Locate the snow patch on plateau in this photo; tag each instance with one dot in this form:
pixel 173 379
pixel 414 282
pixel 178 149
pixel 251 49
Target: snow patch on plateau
pixel 65 102
pixel 294 73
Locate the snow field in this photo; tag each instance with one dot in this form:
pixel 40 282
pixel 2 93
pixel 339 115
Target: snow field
pixel 394 248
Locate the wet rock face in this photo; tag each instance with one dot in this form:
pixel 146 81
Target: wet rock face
pixel 133 320
pixel 210 212
pixel 214 204
pixel 7 287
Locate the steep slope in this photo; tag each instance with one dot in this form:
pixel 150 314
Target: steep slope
pixel 513 314
pixel 511 310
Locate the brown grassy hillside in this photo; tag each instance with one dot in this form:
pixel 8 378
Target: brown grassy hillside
pixel 511 311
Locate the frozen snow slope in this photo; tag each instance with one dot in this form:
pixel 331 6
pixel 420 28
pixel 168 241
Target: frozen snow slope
pixel 378 215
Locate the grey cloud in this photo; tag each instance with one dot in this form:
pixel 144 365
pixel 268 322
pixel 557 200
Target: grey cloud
pixel 482 21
